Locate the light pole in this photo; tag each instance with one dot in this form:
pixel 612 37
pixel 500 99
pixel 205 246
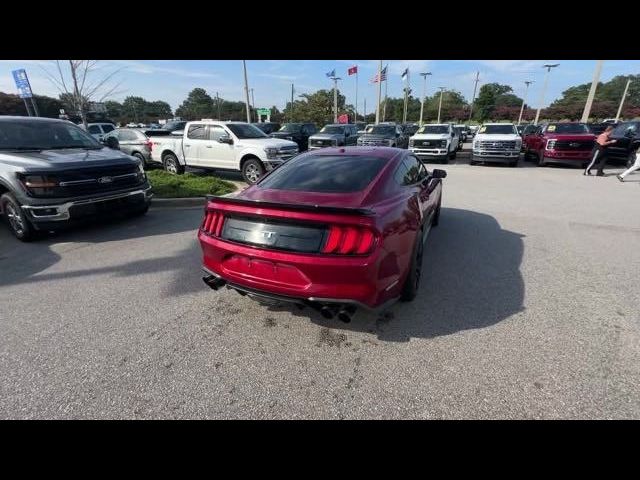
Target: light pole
pixel 624 95
pixel 253 102
pixel 424 93
pixel 440 104
pixel 474 95
pixel 524 100
pixel 379 92
pixel 592 92
pixel 544 89
pixel 218 105
pixel 335 98
pixel 246 91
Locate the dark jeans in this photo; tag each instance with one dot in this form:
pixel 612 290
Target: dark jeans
pixel 599 154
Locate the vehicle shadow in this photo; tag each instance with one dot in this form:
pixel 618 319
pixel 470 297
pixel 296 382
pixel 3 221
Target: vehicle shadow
pixel 471 280
pixel 21 262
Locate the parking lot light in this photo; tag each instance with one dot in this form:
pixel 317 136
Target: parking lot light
pixel 544 89
pixel 424 93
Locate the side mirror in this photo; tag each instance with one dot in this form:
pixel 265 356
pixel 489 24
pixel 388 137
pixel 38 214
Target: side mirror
pixel 437 173
pixel 111 142
pixel 226 139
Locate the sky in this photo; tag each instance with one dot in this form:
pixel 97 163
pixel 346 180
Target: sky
pixel 172 80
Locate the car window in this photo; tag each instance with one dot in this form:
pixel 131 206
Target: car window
pixel 325 173
pixel 107 127
pixel 623 128
pixel 128 136
pixel 197 132
pixel 412 175
pixel 216 131
pixel 94 129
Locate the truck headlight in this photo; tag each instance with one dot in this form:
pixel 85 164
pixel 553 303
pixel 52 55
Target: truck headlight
pixel 411 142
pixel 142 175
pixel 271 152
pixel 518 144
pixel 551 144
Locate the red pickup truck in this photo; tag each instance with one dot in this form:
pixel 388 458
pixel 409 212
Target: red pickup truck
pixel 567 143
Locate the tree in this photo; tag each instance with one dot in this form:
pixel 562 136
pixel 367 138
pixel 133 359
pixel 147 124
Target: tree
pixel 114 109
pixel 316 107
pixel 11 104
pixel 492 95
pixel 134 108
pixel 81 84
pixel 198 104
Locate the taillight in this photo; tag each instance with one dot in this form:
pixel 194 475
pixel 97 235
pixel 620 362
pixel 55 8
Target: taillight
pixel 212 223
pixel 349 240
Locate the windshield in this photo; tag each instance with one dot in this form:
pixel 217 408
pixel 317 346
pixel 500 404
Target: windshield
pixel 434 129
pixel 567 128
pixel 30 135
pixel 381 130
pixel 107 127
pixel 244 130
pixel 291 127
pixel 505 129
pixel 332 129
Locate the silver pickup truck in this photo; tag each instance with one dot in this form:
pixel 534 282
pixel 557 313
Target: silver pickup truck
pixel 53 174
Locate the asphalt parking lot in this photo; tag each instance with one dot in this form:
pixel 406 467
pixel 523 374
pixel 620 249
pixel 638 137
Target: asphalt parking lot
pixel 529 309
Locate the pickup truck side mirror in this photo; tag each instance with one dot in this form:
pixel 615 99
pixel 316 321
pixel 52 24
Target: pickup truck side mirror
pixel 226 139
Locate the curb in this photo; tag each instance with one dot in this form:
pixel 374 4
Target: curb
pixel 183 202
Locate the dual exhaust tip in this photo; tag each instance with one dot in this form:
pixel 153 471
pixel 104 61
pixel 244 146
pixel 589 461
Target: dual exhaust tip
pixel 343 312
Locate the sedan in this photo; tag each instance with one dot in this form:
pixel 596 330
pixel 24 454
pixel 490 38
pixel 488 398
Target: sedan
pixel 332 229
pixel 131 141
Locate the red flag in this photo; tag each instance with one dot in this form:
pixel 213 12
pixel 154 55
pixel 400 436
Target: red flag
pixel 344 118
pixel 352 70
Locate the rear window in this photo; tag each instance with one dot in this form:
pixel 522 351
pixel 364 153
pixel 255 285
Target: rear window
pixel 325 174
pixel 106 127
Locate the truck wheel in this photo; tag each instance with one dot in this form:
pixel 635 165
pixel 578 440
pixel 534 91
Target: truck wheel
pixel 412 283
pixel 140 157
pixel 171 164
pixel 252 170
pixel 18 223
pixel 454 154
pixel 513 164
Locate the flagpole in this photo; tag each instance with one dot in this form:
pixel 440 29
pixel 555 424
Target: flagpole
pixel 379 92
pixel 384 110
pixel 356 119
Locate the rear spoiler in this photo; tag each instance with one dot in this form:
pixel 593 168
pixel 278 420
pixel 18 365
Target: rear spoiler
pixel 290 206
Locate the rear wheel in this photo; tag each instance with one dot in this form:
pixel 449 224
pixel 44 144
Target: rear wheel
pixel 541 161
pixel 252 170
pixel 412 283
pixel 18 222
pixel 171 164
pixel 140 157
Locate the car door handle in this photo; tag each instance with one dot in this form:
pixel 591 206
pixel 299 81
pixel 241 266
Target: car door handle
pixel 187 145
pixel 208 146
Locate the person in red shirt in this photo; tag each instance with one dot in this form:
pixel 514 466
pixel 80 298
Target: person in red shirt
pixel 600 152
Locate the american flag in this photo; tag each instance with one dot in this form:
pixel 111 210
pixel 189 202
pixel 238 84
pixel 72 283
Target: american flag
pixel 376 77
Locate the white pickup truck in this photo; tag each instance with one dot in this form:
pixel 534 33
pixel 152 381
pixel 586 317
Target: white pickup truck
pixel 221 145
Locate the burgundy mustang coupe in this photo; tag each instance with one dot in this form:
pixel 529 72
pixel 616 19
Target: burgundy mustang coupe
pixel 334 229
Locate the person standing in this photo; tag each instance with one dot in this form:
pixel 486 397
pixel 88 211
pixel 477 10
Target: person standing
pixel 632 168
pixel 600 152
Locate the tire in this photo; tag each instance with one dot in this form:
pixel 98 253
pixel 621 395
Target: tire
pixel 171 164
pixel 140 212
pixel 472 162
pixel 16 219
pixel 140 157
pixel 513 164
pixel 252 170
pixel 436 217
pixel 412 283
pixel 454 154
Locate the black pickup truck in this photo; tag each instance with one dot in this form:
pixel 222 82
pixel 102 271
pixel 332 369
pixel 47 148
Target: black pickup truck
pixel 53 174
pixel 627 136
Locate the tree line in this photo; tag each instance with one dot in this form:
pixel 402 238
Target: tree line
pixel 495 102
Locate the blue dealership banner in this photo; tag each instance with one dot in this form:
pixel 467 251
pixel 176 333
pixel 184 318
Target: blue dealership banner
pixel 22 83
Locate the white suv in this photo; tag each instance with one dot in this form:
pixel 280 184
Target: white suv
pixel 437 141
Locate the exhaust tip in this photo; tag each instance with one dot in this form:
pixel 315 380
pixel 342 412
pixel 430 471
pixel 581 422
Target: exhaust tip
pixel 344 316
pixel 214 282
pixel 326 312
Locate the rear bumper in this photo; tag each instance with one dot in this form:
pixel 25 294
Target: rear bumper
pixel 299 278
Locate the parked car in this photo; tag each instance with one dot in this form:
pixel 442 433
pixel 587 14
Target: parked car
pixel 410 129
pixel 333 229
pixel 566 143
pixel 334 135
pixel 597 128
pixel 296 132
pixel 222 145
pixel 627 138
pixel 461 137
pixel 464 133
pixel 437 141
pixel 132 142
pixel 523 131
pixel 53 173
pixel 496 142
pixel 267 127
pixel 360 126
pixel 167 128
pixel 384 134
pixel 98 130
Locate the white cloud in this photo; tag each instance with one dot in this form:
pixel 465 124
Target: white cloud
pixel 147 68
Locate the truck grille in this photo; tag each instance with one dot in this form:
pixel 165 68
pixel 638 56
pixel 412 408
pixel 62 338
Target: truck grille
pixel 373 143
pixel 321 143
pixel 96 180
pixel 573 144
pixel 430 143
pixel 497 145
